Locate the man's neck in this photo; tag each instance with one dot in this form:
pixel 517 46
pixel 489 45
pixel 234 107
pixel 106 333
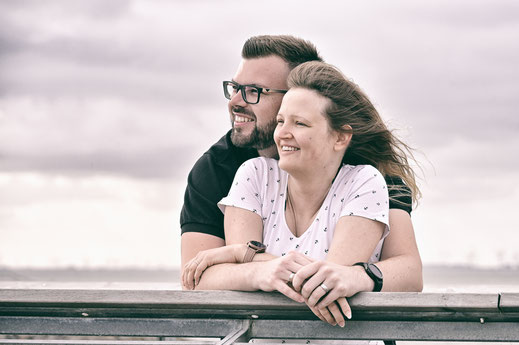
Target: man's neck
pixel 270 152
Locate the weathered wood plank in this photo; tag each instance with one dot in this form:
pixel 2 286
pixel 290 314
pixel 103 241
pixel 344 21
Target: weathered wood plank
pixel 238 299
pixel 288 329
pixel 399 316
pixel 233 304
pixel 372 330
pixel 100 342
pixel 132 327
pixel 509 302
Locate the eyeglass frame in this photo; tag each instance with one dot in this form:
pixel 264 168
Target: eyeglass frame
pixel 241 88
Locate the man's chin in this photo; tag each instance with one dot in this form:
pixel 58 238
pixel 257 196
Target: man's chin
pixel 240 139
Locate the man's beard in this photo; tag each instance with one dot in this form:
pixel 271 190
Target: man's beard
pixel 260 138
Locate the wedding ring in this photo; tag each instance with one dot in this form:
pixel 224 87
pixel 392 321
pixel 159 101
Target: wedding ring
pixel 291 277
pixel 324 287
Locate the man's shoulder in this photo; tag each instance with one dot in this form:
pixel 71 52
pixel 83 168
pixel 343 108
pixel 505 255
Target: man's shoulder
pixel 224 153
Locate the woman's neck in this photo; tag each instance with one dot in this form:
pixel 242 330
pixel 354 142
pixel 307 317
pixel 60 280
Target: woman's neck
pixel 306 194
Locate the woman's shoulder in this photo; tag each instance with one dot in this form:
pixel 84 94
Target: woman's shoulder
pixel 261 163
pixel 361 171
pixel 261 167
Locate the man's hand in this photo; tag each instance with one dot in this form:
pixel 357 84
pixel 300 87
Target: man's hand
pixel 193 270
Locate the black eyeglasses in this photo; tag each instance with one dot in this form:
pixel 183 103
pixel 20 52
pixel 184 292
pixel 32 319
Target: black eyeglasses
pixel 249 93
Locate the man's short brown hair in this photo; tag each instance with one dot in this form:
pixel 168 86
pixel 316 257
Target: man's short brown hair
pixel 293 50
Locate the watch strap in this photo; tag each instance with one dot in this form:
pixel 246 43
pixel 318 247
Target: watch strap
pixel 378 280
pixel 253 247
pixel 249 254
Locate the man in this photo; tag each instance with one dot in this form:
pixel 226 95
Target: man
pixel 266 63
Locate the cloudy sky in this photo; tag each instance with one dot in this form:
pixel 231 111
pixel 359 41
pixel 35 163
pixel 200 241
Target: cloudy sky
pixel 106 105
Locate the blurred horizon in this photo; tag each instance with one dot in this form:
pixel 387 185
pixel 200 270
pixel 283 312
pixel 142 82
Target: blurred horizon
pixel 105 107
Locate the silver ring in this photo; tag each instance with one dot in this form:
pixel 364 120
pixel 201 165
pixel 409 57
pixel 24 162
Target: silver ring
pixel 324 287
pixel 291 277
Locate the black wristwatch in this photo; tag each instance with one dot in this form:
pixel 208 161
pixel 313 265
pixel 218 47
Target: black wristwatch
pixel 374 273
pixel 253 247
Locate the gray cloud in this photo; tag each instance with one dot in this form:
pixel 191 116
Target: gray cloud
pixel 445 70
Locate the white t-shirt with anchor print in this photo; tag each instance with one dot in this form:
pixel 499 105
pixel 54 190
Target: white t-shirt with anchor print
pixel 260 186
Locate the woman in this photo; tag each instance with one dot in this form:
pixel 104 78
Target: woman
pixel 323 206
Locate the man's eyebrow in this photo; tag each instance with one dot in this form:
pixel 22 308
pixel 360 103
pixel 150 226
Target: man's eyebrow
pixel 256 85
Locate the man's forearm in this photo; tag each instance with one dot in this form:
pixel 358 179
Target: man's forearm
pixel 229 277
pixel 401 273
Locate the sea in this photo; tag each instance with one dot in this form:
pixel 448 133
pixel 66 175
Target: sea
pixel 436 278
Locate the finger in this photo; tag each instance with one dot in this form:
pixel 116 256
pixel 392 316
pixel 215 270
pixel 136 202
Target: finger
pixel 327 316
pixel 318 314
pixel 304 273
pixel 336 314
pixel 190 274
pixel 185 274
pixel 345 306
pixel 312 284
pixel 302 259
pixel 287 291
pixel 200 268
pixel 329 298
pixel 315 296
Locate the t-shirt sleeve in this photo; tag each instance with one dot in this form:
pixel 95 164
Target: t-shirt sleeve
pixel 399 194
pixel 245 189
pixel 204 189
pixel 368 196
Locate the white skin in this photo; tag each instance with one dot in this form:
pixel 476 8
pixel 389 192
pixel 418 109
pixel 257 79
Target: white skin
pixel 400 262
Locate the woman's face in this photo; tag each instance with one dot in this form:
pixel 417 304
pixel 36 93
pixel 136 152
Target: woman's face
pixel 303 137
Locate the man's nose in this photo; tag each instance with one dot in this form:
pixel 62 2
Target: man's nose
pixel 237 99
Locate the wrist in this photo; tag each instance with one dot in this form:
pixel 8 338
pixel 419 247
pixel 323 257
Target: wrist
pixel 239 251
pixel 366 283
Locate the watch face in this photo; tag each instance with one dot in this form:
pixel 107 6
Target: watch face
pixel 257 245
pixel 374 269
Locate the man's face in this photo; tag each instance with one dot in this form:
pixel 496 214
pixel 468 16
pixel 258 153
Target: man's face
pixel 253 124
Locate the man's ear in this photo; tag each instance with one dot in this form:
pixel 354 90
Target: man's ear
pixel 344 138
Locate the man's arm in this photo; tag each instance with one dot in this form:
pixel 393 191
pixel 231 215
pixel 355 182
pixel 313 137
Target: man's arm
pixel 194 242
pixel 400 263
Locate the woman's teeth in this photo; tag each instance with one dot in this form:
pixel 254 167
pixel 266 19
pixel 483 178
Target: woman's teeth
pixel 289 148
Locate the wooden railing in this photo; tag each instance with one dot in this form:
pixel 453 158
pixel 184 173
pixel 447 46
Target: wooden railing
pixel 236 317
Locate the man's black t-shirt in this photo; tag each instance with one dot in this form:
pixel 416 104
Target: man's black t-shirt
pixel 211 178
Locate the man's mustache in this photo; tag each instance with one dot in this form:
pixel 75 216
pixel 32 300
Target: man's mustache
pixel 242 110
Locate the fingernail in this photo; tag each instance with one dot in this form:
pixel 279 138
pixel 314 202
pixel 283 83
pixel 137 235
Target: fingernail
pixel 342 324
pixel 348 315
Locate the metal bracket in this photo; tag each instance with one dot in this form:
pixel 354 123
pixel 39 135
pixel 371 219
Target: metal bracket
pixel 237 335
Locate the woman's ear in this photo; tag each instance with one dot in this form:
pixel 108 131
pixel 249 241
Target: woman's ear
pixel 344 138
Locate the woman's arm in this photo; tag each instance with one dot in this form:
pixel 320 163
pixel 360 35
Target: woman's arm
pixel 354 240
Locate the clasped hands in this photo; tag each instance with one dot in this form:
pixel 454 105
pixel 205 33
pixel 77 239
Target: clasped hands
pixel 322 285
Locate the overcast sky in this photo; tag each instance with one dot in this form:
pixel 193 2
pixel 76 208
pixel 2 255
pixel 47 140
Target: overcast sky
pixel 106 105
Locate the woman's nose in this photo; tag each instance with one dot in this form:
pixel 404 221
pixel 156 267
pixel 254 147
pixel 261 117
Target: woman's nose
pixel 284 131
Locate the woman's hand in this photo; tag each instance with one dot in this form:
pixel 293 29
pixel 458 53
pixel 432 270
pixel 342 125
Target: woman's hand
pixel 193 270
pixel 324 285
pixel 276 274
pixel 332 313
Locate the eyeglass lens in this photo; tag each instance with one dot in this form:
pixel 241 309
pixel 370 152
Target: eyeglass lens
pixel 250 94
